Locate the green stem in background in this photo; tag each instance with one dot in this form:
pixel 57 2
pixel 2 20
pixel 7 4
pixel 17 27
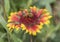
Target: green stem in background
pixel 31 39
pixel 48 7
pixel 7 7
pixel 8 36
pixel 13 5
pixel 4 15
pixel 29 3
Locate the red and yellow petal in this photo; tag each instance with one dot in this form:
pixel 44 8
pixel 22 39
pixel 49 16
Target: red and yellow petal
pixel 32 30
pixel 11 26
pixel 19 13
pixel 33 9
pixel 17 27
pixel 13 18
pixel 23 26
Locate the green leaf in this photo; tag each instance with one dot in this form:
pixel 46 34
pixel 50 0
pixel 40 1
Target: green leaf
pixel 29 3
pixel 48 7
pixel 7 6
pixel 16 39
pixel 2 37
pixel 3 22
pixel 1 40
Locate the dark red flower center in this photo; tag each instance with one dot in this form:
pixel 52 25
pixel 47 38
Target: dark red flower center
pixel 29 20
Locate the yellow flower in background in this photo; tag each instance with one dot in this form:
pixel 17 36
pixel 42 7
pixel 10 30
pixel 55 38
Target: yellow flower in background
pixel 31 20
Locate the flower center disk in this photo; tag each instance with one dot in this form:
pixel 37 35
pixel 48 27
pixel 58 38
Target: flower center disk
pixel 29 20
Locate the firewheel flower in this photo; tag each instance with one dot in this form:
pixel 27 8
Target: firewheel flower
pixel 31 21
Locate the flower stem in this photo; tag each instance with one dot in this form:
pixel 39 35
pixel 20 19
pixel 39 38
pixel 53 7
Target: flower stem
pixel 31 39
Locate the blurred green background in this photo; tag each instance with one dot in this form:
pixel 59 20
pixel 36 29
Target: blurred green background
pixel 49 33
